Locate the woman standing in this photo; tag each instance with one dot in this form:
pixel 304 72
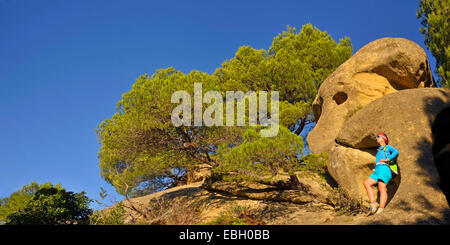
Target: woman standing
pixel 382 173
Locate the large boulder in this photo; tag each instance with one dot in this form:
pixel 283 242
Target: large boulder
pixel 407 118
pixel 381 67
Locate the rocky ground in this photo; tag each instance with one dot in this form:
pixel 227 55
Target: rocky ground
pixel 195 205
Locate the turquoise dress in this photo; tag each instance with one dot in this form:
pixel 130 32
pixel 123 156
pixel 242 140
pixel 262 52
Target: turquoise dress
pixel 382 171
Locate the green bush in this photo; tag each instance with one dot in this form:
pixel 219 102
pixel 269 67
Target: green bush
pixel 113 216
pixel 344 204
pixel 53 205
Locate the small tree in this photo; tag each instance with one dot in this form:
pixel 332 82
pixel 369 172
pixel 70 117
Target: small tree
pixel 53 205
pixel 141 148
pixel 260 159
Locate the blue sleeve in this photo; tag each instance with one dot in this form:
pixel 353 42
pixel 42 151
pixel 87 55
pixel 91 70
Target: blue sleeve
pixel 393 153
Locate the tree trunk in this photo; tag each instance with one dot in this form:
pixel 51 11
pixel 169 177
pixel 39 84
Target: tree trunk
pixel 296 184
pixel 301 126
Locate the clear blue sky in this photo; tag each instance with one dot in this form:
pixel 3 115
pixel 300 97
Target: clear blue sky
pixel 65 64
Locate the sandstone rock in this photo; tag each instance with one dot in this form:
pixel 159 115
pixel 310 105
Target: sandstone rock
pixel 346 165
pixel 381 67
pixel 441 148
pixel 199 174
pixel 407 118
pixel 317 187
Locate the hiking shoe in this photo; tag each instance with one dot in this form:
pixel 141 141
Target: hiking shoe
pixel 373 207
pixel 379 210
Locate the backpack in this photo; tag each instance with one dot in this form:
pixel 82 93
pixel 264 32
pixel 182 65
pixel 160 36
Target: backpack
pixel 392 164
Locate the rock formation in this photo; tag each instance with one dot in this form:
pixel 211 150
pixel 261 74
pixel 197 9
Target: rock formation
pixel 381 89
pixel 381 67
pixel 407 118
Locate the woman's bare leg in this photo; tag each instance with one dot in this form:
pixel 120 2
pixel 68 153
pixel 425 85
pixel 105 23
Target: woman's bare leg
pixel 368 183
pixel 383 193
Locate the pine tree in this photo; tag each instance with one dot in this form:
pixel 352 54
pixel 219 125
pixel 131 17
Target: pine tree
pixel 143 152
pixel 435 19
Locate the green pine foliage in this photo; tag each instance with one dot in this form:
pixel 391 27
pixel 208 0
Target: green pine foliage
pixel 143 152
pixel 141 147
pixel 435 18
pixel 261 158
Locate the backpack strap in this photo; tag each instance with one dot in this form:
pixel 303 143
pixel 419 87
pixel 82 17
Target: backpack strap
pixel 392 164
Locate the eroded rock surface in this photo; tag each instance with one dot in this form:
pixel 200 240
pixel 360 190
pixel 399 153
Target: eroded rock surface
pixel 381 67
pixel 407 118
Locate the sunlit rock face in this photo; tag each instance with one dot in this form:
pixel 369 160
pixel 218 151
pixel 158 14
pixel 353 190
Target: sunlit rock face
pixel 387 87
pixel 381 67
pixel 414 120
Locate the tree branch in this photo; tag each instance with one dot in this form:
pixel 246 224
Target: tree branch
pixel 301 126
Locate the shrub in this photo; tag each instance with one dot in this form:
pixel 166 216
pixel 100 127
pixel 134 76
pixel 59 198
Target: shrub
pixel 53 205
pixel 113 216
pixel 160 211
pixel 237 215
pixel 344 204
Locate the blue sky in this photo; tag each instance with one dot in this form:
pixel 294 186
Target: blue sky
pixel 65 64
